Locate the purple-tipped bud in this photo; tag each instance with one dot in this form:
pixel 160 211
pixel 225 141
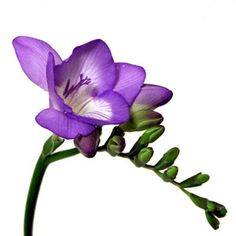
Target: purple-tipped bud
pixel 88 145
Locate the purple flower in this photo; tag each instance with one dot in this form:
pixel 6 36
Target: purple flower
pixel 86 90
pixel 143 115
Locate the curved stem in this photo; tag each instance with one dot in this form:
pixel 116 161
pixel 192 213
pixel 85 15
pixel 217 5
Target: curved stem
pixel 34 188
pixel 35 184
pixel 61 155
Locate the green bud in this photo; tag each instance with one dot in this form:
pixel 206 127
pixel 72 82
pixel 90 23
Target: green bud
pixel 199 201
pixel 170 174
pixel 152 134
pixel 143 157
pixel 195 180
pixel 212 220
pixel 149 136
pixel 142 120
pixel 167 160
pixel 51 145
pixel 216 208
pixel 116 145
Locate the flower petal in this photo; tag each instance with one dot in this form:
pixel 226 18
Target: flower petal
pixel 33 54
pixel 130 80
pixel 90 65
pixel 151 97
pixel 56 101
pixel 108 108
pixel 62 124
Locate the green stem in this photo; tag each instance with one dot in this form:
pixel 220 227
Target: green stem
pixel 149 167
pixel 158 173
pixel 34 188
pixel 61 155
pixel 35 184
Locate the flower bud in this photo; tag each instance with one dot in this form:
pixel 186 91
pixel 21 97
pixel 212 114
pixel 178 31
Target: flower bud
pixel 51 145
pixel 116 145
pixel 152 134
pixel 170 174
pixel 212 220
pixel 142 120
pixel 216 208
pixel 143 157
pixel 168 159
pixel 87 145
pixel 195 180
pixel 149 136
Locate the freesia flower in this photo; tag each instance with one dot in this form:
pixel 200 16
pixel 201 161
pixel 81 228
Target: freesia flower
pixel 86 90
pixel 89 90
pixel 143 115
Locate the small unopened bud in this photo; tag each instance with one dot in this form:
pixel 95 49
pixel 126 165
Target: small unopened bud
pixel 143 157
pixel 87 145
pixel 149 136
pixel 51 145
pixel 216 208
pixel 195 180
pixel 116 145
pixel 171 173
pixel 212 220
pixel 168 159
pixel 152 134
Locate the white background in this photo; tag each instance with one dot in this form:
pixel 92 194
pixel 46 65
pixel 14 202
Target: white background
pixel 188 46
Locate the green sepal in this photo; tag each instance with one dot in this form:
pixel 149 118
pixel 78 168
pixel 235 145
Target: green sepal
pixel 52 143
pixel 170 174
pixel 143 157
pixel 167 160
pixel 212 220
pixel 199 201
pixel 149 136
pixel 195 180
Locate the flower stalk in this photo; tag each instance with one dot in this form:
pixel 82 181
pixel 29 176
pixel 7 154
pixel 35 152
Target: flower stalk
pixel 34 188
pixel 46 158
pixel 167 172
pixel 140 154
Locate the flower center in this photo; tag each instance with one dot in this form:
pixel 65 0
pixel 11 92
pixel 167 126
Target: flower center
pixel 69 89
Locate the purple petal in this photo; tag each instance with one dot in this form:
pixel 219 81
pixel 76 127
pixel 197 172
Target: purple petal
pixel 130 80
pixel 90 66
pixel 56 102
pixel 33 54
pixel 151 97
pixel 108 108
pixel 62 125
